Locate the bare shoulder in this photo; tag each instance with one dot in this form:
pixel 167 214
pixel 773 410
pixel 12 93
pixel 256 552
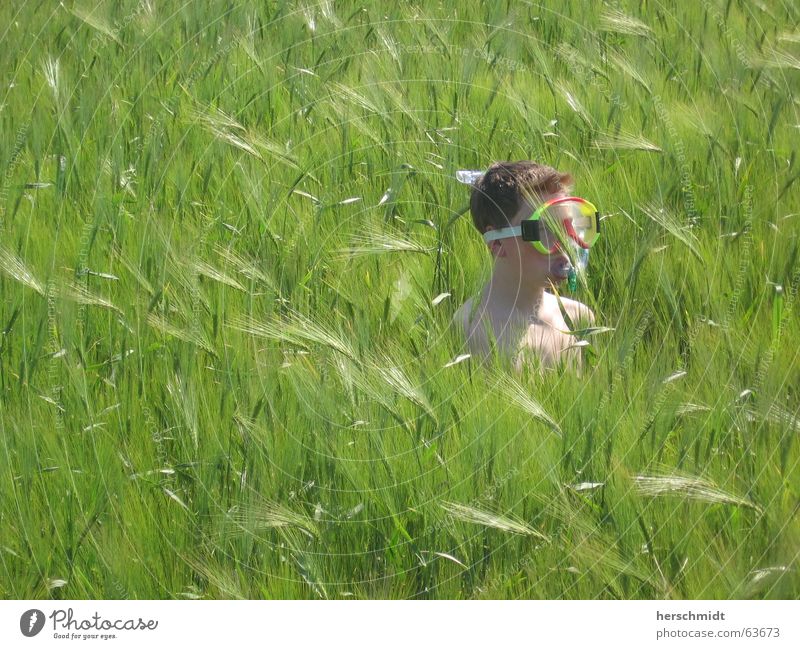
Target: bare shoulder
pixel 466 316
pixel 579 313
pixel 460 317
pixel 474 326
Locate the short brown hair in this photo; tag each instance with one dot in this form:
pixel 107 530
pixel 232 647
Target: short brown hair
pixel 499 194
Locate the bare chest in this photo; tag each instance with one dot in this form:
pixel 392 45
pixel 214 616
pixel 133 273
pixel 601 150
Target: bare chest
pixel 545 339
pixel 547 342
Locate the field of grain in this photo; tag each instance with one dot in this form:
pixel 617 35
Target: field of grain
pixel 231 245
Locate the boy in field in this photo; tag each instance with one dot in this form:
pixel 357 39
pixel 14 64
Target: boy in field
pixel 516 308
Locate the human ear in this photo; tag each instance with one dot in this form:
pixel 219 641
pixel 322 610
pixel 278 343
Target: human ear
pixel 496 248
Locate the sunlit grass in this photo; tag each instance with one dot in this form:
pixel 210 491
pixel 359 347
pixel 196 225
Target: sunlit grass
pixel 231 246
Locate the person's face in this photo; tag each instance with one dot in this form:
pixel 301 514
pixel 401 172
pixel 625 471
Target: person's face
pixel 532 264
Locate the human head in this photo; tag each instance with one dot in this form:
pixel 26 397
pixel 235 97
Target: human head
pixel 500 194
pixel 507 193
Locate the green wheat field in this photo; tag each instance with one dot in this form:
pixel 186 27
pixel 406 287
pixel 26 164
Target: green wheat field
pixel 231 245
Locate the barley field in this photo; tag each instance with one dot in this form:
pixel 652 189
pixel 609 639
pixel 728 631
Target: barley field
pixel 231 245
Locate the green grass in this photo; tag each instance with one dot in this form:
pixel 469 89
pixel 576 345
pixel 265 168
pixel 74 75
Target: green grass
pixel 222 376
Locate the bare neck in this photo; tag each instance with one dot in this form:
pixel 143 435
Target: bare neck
pixel 510 293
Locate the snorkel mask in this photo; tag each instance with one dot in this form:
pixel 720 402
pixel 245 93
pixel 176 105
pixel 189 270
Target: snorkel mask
pixel 570 224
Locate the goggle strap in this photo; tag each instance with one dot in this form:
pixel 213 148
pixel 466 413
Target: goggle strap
pixel 502 233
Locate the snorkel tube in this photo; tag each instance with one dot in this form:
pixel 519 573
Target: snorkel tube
pixel 583 262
